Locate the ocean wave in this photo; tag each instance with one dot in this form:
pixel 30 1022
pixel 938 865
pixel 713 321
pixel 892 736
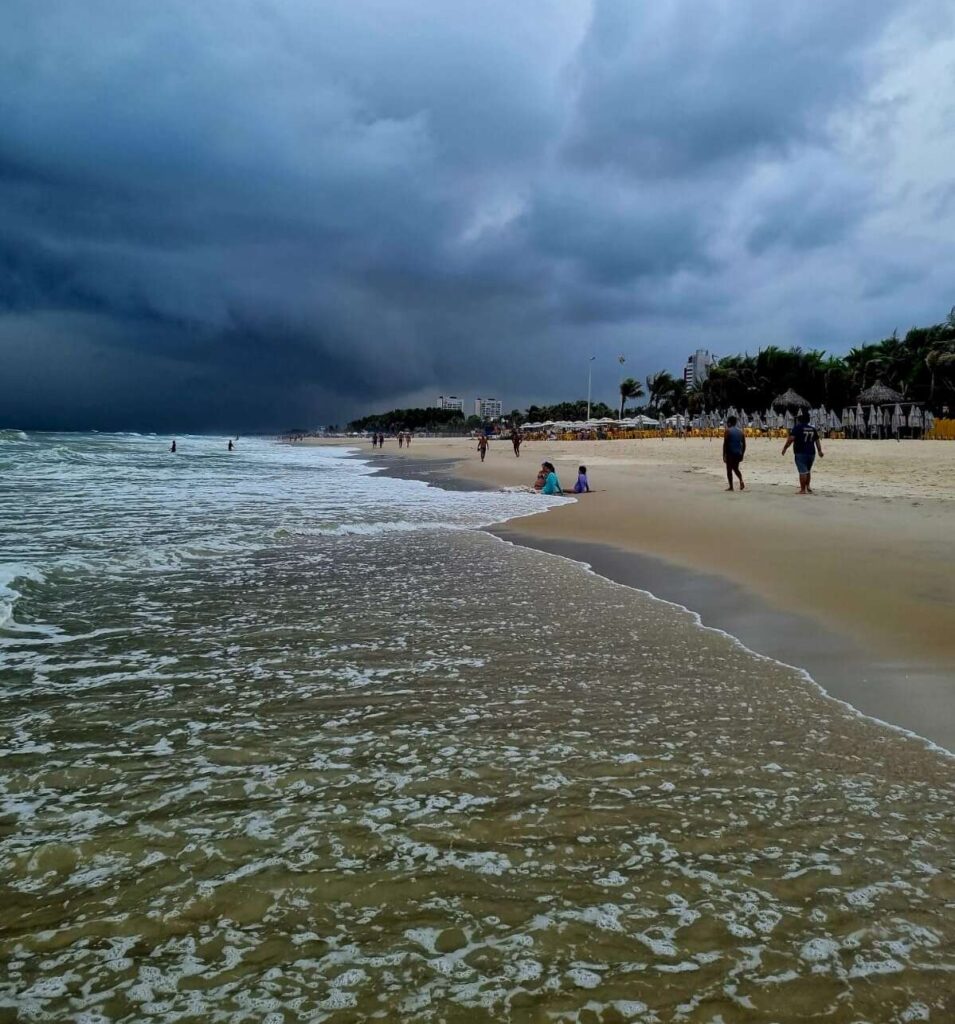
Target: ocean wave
pixel 10 573
pixel 11 434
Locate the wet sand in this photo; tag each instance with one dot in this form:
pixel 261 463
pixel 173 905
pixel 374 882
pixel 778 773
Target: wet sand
pixel 856 584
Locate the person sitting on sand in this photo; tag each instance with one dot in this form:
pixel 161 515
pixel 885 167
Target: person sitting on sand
pixel 582 486
pixel 551 482
pixel 805 441
pixel 482 446
pixel 541 479
pixel 734 448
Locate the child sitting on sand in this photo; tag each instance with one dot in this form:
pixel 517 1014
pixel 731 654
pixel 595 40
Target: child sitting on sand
pixel 582 485
pixel 541 479
pixel 551 482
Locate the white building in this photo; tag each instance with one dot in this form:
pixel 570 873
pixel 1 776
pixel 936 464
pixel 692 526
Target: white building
pixel 451 403
pixel 697 368
pixel 488 408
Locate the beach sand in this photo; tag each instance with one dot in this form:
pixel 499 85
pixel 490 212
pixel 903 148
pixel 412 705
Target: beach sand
pixel 856 583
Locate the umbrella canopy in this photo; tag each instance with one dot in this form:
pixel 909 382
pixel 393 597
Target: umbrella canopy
pixel 834 422
pixel 915 416
pixel 790 400
pixel 879 394
pixel 897 419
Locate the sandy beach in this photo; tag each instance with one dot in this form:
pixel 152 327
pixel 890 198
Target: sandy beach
pixel 860 577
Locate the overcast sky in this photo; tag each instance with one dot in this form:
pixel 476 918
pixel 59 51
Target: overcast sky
pixel 251 214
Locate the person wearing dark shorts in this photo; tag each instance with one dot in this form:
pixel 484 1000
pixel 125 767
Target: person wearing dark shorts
pixel 804 439
pixel 734 448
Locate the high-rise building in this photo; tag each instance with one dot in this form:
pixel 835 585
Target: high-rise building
pixel 488 408
pixel 697 368
pixel 451 403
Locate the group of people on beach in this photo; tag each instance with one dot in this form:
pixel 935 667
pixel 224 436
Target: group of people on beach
pixel 404 439
pixel 548 482
pixel 803 438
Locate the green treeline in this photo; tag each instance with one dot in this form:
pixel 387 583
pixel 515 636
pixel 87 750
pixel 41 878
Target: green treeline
pixel 431 420
pixel 920 366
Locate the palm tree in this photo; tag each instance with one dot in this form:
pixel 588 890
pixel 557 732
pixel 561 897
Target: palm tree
pixel 629 388
pixel 659 385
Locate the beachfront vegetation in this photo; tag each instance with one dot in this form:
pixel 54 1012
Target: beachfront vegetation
pixel 430 420
pixel 920 366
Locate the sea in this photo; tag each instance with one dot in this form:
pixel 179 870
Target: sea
pixel 283 739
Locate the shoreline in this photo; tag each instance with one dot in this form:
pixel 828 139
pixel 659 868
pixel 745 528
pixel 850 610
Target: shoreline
pixel 905 685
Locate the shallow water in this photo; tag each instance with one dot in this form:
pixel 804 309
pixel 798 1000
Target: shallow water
pixel 415 773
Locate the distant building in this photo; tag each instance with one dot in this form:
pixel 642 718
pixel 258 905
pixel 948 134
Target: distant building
pixel 697 368
pixel 451 403
pixel 488 408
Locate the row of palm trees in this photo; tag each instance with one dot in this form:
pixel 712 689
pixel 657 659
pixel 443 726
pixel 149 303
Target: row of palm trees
pixel 920 366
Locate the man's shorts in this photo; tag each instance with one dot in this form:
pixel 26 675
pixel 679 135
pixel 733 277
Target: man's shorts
pixel 733 461
pixel 804 463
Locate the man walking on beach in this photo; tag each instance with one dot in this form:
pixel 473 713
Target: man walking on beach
pixel 482 446
pixel 734 448
pixel 516 441
pixel 805 441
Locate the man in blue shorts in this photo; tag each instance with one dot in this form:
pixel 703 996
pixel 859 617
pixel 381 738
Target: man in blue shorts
pixel 805 441
pixel 734 448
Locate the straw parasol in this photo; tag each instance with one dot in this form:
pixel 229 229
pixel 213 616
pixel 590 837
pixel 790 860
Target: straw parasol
pixel 790 400
pixel 880 394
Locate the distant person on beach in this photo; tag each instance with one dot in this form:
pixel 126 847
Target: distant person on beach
pixel 734 448
pixel 582 486
pixel 516 441
pixel 172 447
pixel 551 482
pixel 231 445
pixel 482 446
pixel 401 440
pixel 408 439
pixel 805 441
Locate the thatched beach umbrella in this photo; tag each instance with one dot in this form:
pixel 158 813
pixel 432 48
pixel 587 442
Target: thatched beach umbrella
pixel 879 394
pixel 790 400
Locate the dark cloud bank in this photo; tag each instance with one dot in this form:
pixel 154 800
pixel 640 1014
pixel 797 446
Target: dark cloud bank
pixel 244 215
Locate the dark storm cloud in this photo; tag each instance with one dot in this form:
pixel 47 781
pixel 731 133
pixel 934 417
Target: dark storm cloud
pixel 253 214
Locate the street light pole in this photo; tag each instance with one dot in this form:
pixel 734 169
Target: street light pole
pixel 590 377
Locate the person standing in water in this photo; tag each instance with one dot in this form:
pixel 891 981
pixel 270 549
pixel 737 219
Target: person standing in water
pixel 172 447
pixel 734 448
pixel 805 441
pixel 482 446
pixel 231 445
